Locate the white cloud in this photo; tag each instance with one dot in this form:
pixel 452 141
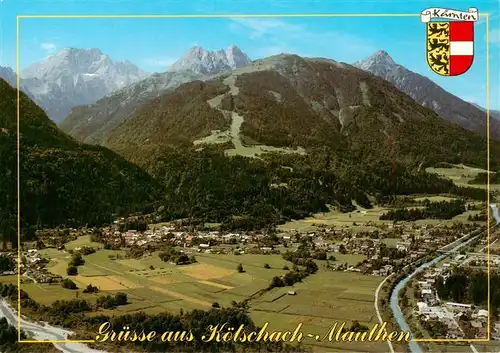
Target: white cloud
pixel 260 27
pixel 48 47
pixel 278 36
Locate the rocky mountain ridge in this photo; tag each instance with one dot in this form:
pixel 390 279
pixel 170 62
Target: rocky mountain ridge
pixel 91 123
pixel 429 94
pixel 208 63
pixel 289 103
pixel 74 77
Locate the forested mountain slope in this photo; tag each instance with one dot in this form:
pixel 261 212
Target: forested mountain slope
pixel 62 182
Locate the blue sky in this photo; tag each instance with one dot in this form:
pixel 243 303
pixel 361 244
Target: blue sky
pixel 152 44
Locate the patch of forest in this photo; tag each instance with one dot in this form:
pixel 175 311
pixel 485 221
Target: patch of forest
pixel 470 286
pixel 482 178
pixel 247 193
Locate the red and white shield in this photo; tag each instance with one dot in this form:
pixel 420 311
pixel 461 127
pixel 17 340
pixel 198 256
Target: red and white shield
pixel 450 44
pixel 461 46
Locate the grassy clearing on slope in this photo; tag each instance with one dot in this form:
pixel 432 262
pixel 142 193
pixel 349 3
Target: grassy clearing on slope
pixel 461 175
pixel 356 219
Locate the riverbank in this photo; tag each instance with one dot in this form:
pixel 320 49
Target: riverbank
pixel 394 298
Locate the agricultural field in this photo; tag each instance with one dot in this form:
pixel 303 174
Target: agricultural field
pixel 362 219
pixel 435 198
pixel 48 293
pixel 463 218
pixel 152 283
pixel 391 242
pixel 321 300
pixel 357 220
pixel 350 259
pixel 8 279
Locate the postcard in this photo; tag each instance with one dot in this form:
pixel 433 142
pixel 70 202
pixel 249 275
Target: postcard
pixel 249 176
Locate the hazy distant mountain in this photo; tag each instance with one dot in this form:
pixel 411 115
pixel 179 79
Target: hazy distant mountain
pixel 89 123
pixel 75 77
pixel 206 62
pixel 8 75
pixel 429 94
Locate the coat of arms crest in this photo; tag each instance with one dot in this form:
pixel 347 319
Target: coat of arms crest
pixel 450 44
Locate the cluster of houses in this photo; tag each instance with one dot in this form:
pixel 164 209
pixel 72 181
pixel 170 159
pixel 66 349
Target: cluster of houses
pixel 203 239
pixel 451 315
pixel 481 260
pixel 412 240
pixel 33 267
pixel 412 243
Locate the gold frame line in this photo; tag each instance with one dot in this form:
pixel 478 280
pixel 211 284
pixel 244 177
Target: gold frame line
pixel 488 239
pixel 19 253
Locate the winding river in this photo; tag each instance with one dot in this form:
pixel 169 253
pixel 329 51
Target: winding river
pixel 396 310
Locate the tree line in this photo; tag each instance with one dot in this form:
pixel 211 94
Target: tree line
pixel 470 286
pixel 7 263
pixel 177 257
pixel 482 178
pixel 433 210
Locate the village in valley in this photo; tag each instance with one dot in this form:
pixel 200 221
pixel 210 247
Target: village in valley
pixel 333 266
pixel 126 256
pixel 407 243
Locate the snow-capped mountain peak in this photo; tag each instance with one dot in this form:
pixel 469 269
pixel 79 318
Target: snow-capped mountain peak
pixel 77 77
pixel 206 62
pixel 236 57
